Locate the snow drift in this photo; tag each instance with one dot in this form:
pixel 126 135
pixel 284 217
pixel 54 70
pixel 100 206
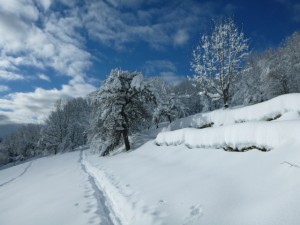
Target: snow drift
pixel 265 111
pixel 261 135
pixel 262 126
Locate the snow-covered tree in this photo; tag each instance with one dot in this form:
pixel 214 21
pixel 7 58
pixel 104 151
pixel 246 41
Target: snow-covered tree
pixel 250 86
pixel 218 58
pixel 66 125
pixel 22 143
pixel 284 68
pixel 122 106
pixel 169 106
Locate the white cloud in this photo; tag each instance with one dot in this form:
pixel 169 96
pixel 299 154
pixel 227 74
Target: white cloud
pixel 159 27
pixel 153 67
pixel 4 88
pixel 44 77
pixel 45 4
pixel 9 76
pixel 181 37
pixel 54 42
pixel 34 107
pixel 24 9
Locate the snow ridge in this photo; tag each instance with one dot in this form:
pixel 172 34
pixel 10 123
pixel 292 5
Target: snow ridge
pixel 265 111
pixel 263 126
pixel 260 135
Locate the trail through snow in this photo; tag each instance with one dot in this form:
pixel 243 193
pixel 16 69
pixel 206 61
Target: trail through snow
pixel 102 209
pixel 21 174
pixel 52 190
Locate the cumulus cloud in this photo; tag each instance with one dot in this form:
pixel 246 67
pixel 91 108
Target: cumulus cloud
pixel 52 42
pixel 33 107
pixel 23 9
pixel 35 38
pixel 45 4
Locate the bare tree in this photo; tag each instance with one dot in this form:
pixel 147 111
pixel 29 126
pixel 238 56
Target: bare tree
pixel 217 59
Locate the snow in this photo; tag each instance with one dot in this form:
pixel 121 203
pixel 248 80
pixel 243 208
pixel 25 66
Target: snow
pixel 190 179
pixel 176 185
pixel 187 180
pixel 268 110
pixel 53 190
pixel 137 82
pixel 264 135
pixel 240 128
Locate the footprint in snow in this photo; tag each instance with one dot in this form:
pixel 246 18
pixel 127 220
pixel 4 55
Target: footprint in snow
pixel 195 213
pixel 161 202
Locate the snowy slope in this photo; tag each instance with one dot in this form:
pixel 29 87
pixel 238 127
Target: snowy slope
pixel 181 177
pixel 48 191
pixel 180 183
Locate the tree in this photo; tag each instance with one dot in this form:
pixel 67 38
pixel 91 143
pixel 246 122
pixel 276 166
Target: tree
pixel 250 85
pixel 169 105
pixel 284 70
pixel 66 125
pixel 22 143
pixel 122 106
pixel 217 60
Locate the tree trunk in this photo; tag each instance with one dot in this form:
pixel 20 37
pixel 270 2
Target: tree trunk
pixel 126 140
pixel 226 98
pixel 169 118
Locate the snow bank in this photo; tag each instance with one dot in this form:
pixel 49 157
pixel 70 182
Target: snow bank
pixel 263 135
pixel 264 111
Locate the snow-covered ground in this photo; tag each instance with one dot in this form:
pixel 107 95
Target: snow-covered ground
pixel 170 180
pixel 51 190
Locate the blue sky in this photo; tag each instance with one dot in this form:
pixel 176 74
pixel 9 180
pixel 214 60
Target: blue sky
pixel 53 49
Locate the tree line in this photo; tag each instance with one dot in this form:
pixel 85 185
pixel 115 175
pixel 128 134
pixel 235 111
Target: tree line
pixel 226 74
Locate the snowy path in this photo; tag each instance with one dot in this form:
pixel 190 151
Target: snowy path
pixel 52 190
pixel 21 174
pixel 102 210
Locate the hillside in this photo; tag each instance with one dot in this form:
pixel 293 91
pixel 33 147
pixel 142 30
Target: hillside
pixel 181 177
